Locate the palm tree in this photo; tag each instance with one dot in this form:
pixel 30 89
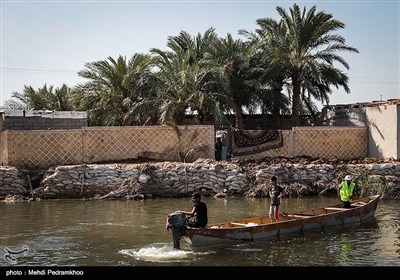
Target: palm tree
pixel 268 43
pixel 311 51
pixel 186 82
pixel 111 95
pixel 45 98
pixel 141 84
pixel 241 74
pixel 13 105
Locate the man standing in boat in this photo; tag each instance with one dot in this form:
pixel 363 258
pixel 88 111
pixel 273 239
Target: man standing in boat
pixel 275 194
pixel 346 189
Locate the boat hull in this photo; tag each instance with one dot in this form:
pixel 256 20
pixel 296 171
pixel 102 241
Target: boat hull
pixel 300 221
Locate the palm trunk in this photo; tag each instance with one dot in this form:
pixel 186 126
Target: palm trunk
pixel 239 119
pixel 296 99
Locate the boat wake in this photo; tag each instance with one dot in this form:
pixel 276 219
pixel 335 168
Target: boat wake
pixel 163 253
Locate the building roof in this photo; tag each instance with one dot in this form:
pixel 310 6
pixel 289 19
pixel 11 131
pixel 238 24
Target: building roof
pixel 364 104
pixel 44 114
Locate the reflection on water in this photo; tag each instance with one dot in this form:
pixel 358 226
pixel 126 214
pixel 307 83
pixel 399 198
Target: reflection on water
pixel 132 233
pixel 347 246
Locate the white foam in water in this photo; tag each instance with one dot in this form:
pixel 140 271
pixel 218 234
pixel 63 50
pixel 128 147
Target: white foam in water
pixel 161 252
pixel 245 249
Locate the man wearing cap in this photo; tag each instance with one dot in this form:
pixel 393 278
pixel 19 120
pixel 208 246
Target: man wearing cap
pixel 346 189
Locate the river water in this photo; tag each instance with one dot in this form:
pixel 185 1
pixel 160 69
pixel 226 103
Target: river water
pixel 132 233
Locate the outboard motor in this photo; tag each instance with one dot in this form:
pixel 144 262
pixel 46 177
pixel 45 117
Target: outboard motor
pixel 177 223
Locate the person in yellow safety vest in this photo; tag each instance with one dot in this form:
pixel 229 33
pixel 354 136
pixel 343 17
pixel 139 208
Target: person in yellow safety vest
pixel 346 189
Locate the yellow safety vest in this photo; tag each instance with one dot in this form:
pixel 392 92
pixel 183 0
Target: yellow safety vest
pixel 346 191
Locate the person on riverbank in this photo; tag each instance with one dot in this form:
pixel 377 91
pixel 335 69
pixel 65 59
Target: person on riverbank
pixel 218 149
pixel 275 194
pixel 198 217
pixel 345 190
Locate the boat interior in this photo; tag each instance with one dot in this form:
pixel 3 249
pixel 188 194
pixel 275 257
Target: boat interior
pixel 287 216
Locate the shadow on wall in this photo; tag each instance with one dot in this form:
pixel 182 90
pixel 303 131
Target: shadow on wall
pixel 344 116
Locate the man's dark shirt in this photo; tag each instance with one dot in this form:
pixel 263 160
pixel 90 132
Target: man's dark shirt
pixel 201 214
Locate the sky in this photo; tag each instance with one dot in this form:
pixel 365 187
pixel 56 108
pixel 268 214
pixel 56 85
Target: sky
pixel 49 42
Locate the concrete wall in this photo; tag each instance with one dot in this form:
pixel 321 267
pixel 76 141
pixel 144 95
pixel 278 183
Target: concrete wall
pixel 41 149
pixel 330 142
pixel 382 119
pixel 398 133
pixel 3 149
pixel 319 142
pixel 41 120
pixel 383 131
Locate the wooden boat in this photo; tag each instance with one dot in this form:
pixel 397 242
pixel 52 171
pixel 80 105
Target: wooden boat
pixel 298 221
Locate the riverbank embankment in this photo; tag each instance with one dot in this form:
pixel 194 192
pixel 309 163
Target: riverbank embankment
pixel 300 177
